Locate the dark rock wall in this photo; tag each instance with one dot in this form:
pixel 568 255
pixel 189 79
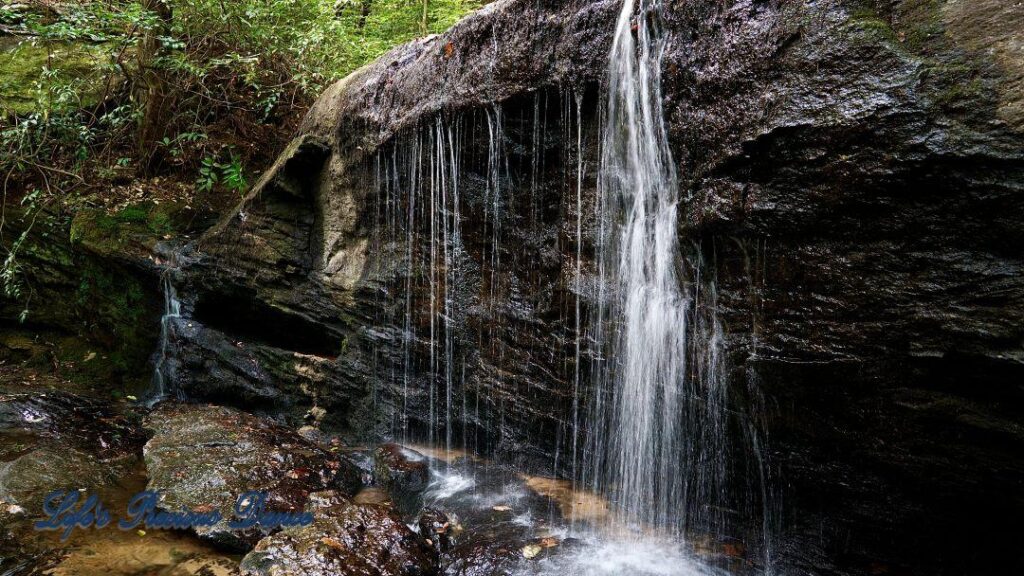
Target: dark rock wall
pixel 853 175
pixel 74 279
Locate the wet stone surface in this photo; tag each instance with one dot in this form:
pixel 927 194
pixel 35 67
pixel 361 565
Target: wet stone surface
pixel 435 526
pixel 346 539
pixel 404 473
pixel 56 440
pixel 21 549
pixel 204 457
pixel 483 558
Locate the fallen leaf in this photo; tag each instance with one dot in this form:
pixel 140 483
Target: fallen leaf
pixel 332 543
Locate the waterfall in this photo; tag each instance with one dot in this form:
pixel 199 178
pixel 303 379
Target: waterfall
pixel 468 217
pixel 172 310
pixel 665 424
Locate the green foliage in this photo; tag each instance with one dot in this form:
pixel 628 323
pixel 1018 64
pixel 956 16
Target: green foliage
pixel 79 80
pixel 230 174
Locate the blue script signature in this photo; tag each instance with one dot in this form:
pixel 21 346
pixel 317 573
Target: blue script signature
pixel 70 509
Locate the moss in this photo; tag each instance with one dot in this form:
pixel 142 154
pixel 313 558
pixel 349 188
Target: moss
pixel 952 79
pixel 916 26
pixel 967 93
pixel 140 223
pixel 132 214
pixel 869 21
pixel 23 90
pixel 921 26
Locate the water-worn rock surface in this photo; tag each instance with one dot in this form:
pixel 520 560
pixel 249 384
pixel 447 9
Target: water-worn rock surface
pixel 60 441
pixel 346 539
pixel 203 458
pixel 404 473
pixel 852 174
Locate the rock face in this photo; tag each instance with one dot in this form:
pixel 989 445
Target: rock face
pixel 852 174
pixel 204 458
pixel 345 540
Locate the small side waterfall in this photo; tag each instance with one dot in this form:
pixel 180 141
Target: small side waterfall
pixel 164 361
pixel 172 310
pixel 664 428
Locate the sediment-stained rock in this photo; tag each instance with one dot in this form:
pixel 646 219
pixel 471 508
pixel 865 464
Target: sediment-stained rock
pixel 404 473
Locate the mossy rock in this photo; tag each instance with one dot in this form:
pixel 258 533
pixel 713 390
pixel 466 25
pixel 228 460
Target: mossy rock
pixel 84 67
pixel 137 226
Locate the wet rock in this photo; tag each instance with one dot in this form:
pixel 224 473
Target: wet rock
pixel 484 558
pixel 404 473
pixel 205 457
pixel 50 441
pixel 489 503
pixel 55 417
pixel 23 551
pixel 345 539
pixel 56 440
pixel 437 529
pixel 362 459
pixel 28 478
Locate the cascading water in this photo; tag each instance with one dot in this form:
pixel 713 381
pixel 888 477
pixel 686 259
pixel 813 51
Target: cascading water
pixel 663 431
pixel 637 344
pixel 172 310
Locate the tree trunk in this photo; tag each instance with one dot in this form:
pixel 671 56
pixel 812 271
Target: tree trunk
pixel 424 21
pixel 150 89
pixel 364 13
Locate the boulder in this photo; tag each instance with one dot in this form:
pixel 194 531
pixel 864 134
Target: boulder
pixel 345 540
pixel 204 457
pixel 404 473
pixel 57 440
pixel 435 526
pixel 484 558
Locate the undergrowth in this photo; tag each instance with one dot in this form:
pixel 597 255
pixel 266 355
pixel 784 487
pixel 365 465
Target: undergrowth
pixel 108 103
